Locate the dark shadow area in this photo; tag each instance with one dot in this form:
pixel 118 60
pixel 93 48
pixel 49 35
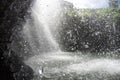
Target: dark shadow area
pixel 12 15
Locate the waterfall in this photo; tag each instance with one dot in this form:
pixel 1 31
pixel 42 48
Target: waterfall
pixel 56 64
pixel 46 17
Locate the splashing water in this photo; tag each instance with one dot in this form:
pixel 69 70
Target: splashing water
pixel 46 14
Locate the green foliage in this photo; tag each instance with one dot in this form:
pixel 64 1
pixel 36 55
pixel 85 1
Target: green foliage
pixel 114 12
pixel 91 30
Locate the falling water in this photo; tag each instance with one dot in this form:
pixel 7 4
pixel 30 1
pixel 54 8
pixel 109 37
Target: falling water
pixel 47 14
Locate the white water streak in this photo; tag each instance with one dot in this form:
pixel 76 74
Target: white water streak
pixel 46 12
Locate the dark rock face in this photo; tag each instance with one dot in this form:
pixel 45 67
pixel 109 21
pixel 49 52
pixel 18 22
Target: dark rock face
pixel 12 15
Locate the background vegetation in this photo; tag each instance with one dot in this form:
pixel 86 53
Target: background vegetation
pixel 91 30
